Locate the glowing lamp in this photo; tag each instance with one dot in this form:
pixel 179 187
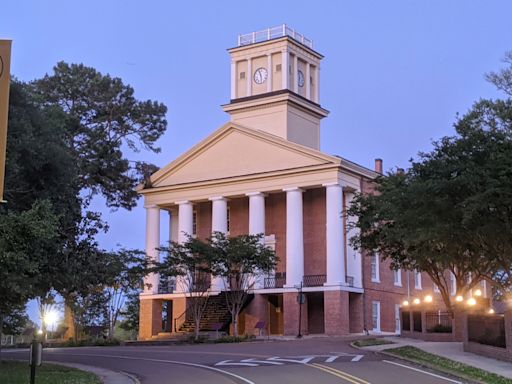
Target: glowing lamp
pixel 427 299
pixel 416 301
pixel 491 311
pixel 459 298
pixel 471 301
pixel 478 292
pixel 50 318
pixel 405 303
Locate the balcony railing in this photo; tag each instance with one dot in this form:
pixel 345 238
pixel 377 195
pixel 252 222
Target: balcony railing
pixel 273 33
pixel 314 280
pixel 274 282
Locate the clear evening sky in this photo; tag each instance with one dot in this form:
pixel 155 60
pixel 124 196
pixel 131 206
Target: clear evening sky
pixel 394 76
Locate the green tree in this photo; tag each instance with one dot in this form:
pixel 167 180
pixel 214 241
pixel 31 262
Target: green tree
pixel 130 312
pixel 104 116
pixel 240 261
pixel 452 209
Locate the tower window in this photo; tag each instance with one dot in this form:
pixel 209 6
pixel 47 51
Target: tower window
pixel 242 75
pixel 278 68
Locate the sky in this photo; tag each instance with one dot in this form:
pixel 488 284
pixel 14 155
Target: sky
pixel 394 77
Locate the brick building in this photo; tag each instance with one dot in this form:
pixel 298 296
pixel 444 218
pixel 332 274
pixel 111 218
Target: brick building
pixel 263 172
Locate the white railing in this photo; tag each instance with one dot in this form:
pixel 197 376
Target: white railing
pixel 273 33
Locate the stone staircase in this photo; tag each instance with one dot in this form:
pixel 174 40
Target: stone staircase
pixel 216 312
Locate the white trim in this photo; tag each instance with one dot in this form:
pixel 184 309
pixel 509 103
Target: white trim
pixel 422 371
pixel 375 258
pixel 377 328
pixel 397 273
pixel 417 280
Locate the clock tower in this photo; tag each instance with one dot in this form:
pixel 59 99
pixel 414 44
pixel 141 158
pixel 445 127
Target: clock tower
pixel 275 83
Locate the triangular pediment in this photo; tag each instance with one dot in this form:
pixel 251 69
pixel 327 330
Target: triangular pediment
pixel 234 151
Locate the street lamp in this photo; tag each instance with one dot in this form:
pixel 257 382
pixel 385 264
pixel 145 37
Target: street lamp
pixel 300 300
pixel 49 319
pixel 428 299
pixel 416 301
pixel 471 301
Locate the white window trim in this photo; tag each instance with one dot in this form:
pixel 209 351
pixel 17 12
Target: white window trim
pixel 376 258
pixel 436 288
pixel 417 281
pixel 378 328
pixel 397 273
pixel 453 284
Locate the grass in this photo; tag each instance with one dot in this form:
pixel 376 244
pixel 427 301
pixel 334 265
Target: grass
pixel 14 372
pixel 370 342
pixel 448 366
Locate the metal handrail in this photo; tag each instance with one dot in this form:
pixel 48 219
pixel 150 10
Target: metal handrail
pixel 274 282
pixel 273 33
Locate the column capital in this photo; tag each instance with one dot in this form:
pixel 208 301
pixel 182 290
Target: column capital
pixel 293 189
pixel 333 184
pixel 182 202
pixel 150 206
pixel 217 198
pixel 249 194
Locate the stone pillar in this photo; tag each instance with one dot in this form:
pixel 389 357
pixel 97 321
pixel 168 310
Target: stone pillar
pixel 336 313
pixel 307 80
pixel 284 68
pixel 152 243
pixel 185 229
pixel 270 72
pixel 295 74
pixel 150 318
pixel 219 224
pixel 233 80
pixel 291 315
pixel 316 96
pixel 249 77
pixel 294 237
pixel 334 235
pixel 257 222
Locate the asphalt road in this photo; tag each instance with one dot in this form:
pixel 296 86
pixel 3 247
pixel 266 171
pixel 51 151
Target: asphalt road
pixel 312 361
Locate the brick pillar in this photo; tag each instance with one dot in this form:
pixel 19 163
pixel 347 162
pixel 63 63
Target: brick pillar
pixel 256 311
pixel 150 318
pixel 291 315
pixel 460 325
pixel 178 308
pixel 336 312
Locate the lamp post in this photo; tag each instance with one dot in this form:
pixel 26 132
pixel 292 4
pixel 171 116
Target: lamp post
pixel 300 301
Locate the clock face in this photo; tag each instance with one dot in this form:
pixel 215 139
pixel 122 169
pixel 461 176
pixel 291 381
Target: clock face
pixel 260 75
pixel 300 78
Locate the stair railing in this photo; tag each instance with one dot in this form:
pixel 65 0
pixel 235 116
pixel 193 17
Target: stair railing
pixel 179 318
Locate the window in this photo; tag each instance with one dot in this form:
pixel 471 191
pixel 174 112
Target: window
pixel 436 288
pixel 375 268
pixel 228 218
pixel 194 223
pixel 417 280
pixel 397 277
pixel 376 316
pixel 278 68
pixel 453 284
pixel 242 75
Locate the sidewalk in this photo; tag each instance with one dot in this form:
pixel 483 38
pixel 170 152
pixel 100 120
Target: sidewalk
pixel 450 350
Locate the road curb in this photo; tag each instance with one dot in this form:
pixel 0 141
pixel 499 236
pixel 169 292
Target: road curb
pixel 106 376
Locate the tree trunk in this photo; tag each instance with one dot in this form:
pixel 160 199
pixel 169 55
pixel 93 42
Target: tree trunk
pixel 234 319
pixel 196 328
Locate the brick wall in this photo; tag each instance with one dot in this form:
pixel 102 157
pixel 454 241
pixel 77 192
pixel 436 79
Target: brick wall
pixel 336 307
pixel 150 318
pixel 314 232
pixel 275 223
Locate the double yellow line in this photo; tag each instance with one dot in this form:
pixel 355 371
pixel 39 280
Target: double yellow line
pixel 344 375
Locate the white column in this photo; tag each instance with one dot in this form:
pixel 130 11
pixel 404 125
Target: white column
pixel 185 220
pixel 173 225
pixel 152 243
pixel 233 80
pixel 307 80
pixel 295 74
pixel 219 224
pixel 185 229
pixel 257 223
pixel 284 68
pixel 334 235
pixel 249 77
pixel 270 72
pixel 294 237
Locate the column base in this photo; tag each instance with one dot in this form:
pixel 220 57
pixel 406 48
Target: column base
pixel 150 318
pixel 335 284
pixel 336 313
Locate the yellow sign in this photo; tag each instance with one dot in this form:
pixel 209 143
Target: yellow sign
pixel 5 78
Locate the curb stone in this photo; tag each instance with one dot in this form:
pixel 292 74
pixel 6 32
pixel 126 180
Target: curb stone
pixel 106 376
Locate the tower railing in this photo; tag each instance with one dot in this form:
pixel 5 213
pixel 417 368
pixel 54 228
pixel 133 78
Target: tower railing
pixel 274 33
